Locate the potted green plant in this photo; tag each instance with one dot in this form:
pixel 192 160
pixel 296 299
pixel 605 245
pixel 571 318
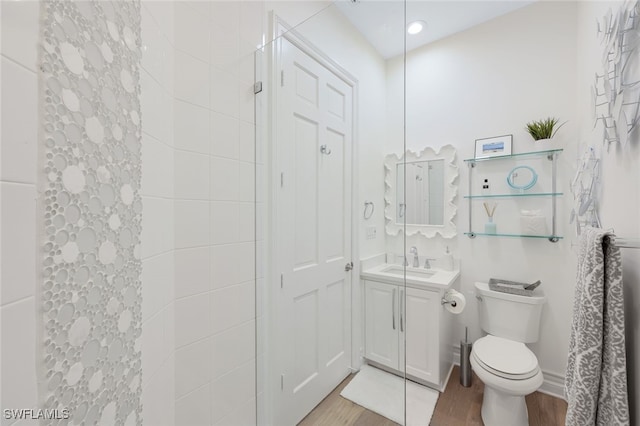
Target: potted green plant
pixel 541 130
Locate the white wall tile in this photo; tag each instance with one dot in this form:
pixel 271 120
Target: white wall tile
pixel 19 121
pixel 191 127
pixel 224 93
pixel 202 8
pixel 246 182
pixel 193 366
pixel 153 104
pixel 18 239
pixel 191 175
pixel 170 329
pixel 192 223
pixel 153 335
pixel 251 24
pixel 225 262
pixel 18 378
pixel 157 226
pixel 225 13
pixel 232 306
pixel 232 348
pixel 192 271
pixel 193 319
pixel 157 281
pixel 163 14
pixel 224 222
pixel 191 31
pixel 224 135
pixel 247 137
pixel 247 64
pixel 246 102
pixel 158 397
pixel 246 222
pixel 194 409
pixel 224 179
pixel 20 31
pixel 225 48
pixel 191 79
pixel 152 46
pixel 232 391
pixel 158 174
pixel 247 270
pixel 244 415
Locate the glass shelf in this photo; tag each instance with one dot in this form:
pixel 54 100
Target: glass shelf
pixel 548 237
pixel 521 154
pixel 538 194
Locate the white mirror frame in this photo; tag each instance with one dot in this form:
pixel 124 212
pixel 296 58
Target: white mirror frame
pixel 448 229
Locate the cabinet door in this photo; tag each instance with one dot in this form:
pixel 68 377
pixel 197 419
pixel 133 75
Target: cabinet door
pixel 381 323
pixel 421 309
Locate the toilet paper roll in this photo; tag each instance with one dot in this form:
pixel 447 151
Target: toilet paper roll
pixel 457 299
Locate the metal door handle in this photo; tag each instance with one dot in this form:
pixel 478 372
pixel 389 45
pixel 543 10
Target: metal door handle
pixel 401 310
pixel 325 150
pixel 393 309
pixel 348 266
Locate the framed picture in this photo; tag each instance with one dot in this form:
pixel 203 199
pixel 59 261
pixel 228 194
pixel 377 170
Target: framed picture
pixel 494 147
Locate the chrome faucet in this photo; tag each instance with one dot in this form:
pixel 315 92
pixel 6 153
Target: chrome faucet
pixel 427 264
pixel 416 259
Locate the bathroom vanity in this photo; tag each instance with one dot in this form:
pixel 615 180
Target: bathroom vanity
pixel 409 322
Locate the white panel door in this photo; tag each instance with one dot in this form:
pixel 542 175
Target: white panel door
pixel 382 323
pixel 313 236
pixel 421 333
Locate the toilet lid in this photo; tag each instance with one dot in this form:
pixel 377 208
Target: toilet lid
pixel 505 357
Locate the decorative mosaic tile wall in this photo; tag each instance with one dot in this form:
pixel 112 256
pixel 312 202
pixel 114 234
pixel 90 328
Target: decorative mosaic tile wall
pixel 91 288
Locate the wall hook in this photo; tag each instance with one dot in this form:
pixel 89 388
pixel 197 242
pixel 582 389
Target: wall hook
pixel 325 150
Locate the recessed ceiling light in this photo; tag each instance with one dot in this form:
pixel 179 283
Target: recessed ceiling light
pixel 416 27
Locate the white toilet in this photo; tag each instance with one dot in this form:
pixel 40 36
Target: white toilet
pixel 508 369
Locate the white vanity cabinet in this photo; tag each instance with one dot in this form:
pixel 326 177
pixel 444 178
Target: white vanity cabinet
pixel 415 322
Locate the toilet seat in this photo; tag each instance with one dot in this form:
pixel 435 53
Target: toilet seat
pixel 505 358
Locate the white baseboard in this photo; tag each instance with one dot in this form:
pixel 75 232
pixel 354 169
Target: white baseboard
pixel 553 383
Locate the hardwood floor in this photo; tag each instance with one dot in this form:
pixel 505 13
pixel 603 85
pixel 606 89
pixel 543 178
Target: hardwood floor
pixel 457 406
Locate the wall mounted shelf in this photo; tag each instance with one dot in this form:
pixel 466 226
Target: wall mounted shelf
pixel 540 194
pixel 552 193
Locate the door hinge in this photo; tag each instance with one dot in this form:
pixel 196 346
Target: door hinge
pixel 282 382
pixel 281 179
pixel 281 280
pixel 257 87
pixel 282 78
pixel 348 266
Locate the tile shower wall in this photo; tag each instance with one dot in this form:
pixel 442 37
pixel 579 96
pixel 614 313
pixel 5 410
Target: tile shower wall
pixel 214 211
pixel 19 106
pixel 158 153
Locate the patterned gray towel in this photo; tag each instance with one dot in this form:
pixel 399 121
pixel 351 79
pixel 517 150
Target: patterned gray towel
pixel 596 380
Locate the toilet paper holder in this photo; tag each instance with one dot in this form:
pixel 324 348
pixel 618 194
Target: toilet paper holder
pixel 444 301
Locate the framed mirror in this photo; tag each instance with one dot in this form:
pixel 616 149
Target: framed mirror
pixel 422 191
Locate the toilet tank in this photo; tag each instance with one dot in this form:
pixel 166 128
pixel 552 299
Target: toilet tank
pixel 508 315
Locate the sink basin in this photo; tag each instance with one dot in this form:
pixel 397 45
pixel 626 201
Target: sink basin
pixel 434 279
pixel 411 272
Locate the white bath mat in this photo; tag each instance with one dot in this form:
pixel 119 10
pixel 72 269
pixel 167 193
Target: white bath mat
pixel 383 393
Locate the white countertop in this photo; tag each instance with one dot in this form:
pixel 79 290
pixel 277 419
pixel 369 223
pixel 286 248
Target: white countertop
pixel 428 279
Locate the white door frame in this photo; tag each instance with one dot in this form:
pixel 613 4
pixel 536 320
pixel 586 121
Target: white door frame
pixel 280 29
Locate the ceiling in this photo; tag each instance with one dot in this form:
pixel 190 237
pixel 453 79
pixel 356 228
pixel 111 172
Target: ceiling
pixel 382 21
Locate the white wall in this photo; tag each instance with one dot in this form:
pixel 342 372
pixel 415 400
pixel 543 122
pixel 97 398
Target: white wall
pixel 214 212
pixel 157 192
pixel 620 203
pixel 490 80
pixel 18 156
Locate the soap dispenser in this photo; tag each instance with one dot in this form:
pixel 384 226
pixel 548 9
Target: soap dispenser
pixel 447 260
